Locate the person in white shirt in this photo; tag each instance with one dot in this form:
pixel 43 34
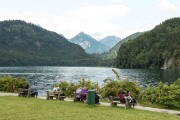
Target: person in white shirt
pixel 54 88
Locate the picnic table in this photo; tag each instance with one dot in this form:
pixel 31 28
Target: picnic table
pixel 59 95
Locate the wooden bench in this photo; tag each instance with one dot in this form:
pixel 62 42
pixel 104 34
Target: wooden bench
pixel 25 93
pixel 59 95
pixel 80 97
pixel 116 100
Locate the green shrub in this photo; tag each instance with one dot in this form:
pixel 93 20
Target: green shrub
pixel 12 84
pixel 70 87
pixel 164 95
pixel 113 88
pixel 87 84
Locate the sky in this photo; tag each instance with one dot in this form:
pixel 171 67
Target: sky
pixel 98 18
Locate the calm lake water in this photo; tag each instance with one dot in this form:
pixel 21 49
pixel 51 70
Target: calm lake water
pixel 44 77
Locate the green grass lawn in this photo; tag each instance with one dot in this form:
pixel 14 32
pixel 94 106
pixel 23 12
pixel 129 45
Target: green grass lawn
pixel 19 108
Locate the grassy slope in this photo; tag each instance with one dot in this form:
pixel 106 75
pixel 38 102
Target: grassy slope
pixel 18 108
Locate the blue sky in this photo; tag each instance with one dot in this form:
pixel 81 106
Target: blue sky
pixel 98 18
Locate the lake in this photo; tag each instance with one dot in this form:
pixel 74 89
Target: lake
pixel 44 77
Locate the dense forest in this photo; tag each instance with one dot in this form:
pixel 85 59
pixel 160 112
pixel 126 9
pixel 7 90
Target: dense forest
pixel 158 48
pixel 112 53
pixel 24 43
pixel 109 57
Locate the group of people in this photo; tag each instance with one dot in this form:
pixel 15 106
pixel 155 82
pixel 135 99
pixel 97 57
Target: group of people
pixel 56 88
pixel 126 95
pixel 80 91
pixel 122 95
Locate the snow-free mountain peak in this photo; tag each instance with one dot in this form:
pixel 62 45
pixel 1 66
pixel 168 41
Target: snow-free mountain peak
pixel 90 44
pixel 110 41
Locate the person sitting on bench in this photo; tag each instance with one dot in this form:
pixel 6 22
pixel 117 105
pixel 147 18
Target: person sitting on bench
pixel 33 91
pixel 130 98
pixel 122 97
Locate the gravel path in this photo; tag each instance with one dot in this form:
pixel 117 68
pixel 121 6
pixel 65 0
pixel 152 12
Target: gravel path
pixel 8 94
pixel 108 104
pixel 149 108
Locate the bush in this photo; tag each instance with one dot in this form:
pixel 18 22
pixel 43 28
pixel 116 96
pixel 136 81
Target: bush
pixel 12 84
pixel 70 88
pixel 113 88
pixel 164 95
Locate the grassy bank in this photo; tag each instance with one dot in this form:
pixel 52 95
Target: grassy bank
pixel 18 108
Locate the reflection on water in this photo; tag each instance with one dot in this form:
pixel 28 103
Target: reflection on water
pixel 44 77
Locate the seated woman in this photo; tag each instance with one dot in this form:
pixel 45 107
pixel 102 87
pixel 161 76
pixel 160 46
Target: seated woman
pixel 122 97
pixel 83 94
pixel 130 99
pixel 80 94
pixel 77 94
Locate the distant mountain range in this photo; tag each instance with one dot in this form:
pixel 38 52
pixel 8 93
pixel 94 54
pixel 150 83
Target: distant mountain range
pixel 24 43
pixel 91 45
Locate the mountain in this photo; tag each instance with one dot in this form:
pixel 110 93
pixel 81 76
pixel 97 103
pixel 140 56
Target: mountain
pixel 110 41
pixel 112 53
pixel 89 44
pixel 24 43
pixel 158 48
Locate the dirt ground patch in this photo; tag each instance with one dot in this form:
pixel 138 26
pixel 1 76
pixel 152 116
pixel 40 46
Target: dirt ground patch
pixel 8 94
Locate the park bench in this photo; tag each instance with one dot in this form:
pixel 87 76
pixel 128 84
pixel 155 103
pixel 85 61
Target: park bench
pixel 114 100
pixel 58 95
pixel 25 93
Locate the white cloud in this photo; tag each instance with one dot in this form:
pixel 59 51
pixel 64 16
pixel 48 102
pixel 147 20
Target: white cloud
pixel 106 12
pixel 117 1
pixel 95 19
pixel 90 19
pixel 167 5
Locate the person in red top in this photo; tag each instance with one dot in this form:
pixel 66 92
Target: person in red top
pixel 122 97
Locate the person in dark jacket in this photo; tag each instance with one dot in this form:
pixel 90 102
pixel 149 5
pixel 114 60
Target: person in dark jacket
pixel 33 91
pixel 97 98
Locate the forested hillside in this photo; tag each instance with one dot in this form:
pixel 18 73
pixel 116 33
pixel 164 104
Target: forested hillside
pixel 112 53
pixel 109 57
pixel 110 41
pixel 158 48
pixel 24 43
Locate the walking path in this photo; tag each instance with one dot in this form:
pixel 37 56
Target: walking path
pixel 108 104
pixel 175 112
